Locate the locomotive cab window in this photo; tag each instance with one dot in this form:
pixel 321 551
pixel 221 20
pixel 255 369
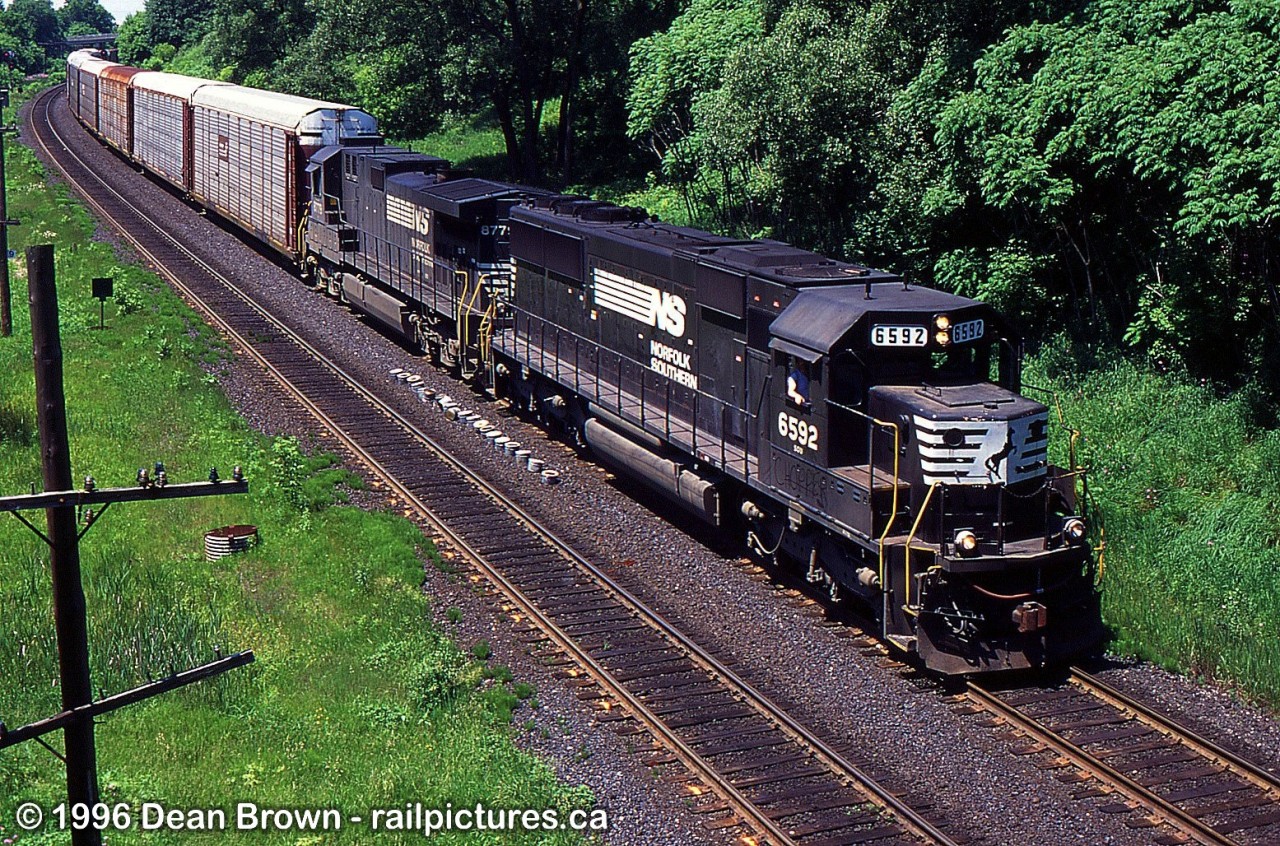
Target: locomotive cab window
pixel 798 379
pixel 960 365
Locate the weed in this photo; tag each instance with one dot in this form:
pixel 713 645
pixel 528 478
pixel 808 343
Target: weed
pixel 1187 487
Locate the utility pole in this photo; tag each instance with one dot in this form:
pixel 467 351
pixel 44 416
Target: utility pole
pixel 60 503
pixel 68 595
pixel 6 313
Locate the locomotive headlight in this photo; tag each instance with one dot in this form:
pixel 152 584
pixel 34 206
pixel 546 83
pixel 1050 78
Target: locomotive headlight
pixel 943 338
pixel 942 322
pixel 966 542
pixel 1073 530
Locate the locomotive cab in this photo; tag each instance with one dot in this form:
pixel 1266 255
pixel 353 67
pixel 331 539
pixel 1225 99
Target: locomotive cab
pixel 895 417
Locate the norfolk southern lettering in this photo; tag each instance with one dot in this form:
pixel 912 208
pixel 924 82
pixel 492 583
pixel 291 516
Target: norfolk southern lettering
pixel 672 363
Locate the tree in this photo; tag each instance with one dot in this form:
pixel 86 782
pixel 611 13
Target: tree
pixel 387 61
pixel 522 57
pixel 672 68
pixel 133 40
pixel 178 22
pixel 1134 147
pixel 20 57
pixel 86 14
pixel 32 21
pixel 799 117
pixel 249 36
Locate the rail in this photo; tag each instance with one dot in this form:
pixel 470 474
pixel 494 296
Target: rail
pixel 1183 754
pixel 250 313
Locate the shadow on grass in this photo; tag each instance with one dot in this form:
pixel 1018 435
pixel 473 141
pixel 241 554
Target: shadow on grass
pixel 16 427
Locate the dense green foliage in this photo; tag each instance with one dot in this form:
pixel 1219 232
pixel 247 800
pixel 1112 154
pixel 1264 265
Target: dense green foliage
pixel 1110 169
pixel 85 17
pixel 357 699
pixel 551 73
pixel 1189 489
pixel 25 25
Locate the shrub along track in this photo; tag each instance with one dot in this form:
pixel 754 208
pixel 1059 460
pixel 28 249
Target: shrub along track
pixel 1113 744
pixel 769 772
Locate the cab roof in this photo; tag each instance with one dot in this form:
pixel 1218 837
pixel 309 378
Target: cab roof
pixel 818 319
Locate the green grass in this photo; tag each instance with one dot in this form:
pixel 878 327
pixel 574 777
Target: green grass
pixel 356 700
pixel 1189 490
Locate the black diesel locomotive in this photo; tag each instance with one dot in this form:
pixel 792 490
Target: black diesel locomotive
pixel 868 430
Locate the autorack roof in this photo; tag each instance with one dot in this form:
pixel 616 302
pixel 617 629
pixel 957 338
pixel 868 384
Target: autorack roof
pixel 173 84
pixel 296 114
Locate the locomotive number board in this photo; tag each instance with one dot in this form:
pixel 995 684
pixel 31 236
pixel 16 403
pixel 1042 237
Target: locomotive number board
pixel 969 331
pixel 883 335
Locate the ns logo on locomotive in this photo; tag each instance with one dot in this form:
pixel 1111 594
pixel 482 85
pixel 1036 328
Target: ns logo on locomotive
pixel 870 432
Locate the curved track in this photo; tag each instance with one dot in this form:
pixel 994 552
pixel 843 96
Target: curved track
pixel 773 775
pixel 1113 744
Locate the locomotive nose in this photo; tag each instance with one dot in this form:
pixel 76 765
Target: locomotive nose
pixel 979 434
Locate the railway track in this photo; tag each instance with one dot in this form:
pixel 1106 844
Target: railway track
pixel 772 775
pixel 1114 745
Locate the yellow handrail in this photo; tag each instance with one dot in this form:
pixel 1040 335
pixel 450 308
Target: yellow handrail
pixel 486 330
pixel 463 311
pixel 924 507
pixel 1074 433
pixel 302 228
pixel 893 513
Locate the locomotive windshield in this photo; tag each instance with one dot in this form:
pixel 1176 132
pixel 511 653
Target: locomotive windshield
pixel 854 371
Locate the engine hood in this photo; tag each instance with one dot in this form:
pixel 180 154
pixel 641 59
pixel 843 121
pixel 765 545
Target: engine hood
pixel 978 434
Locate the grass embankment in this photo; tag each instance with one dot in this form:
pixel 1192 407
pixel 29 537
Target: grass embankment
pixel 1190 492
pixel 356 701
pixel 472 143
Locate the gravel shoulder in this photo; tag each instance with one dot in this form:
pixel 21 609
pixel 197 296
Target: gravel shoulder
pixel 782 643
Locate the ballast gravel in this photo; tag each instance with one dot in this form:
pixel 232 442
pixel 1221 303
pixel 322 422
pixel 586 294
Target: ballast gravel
pixel 902 731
